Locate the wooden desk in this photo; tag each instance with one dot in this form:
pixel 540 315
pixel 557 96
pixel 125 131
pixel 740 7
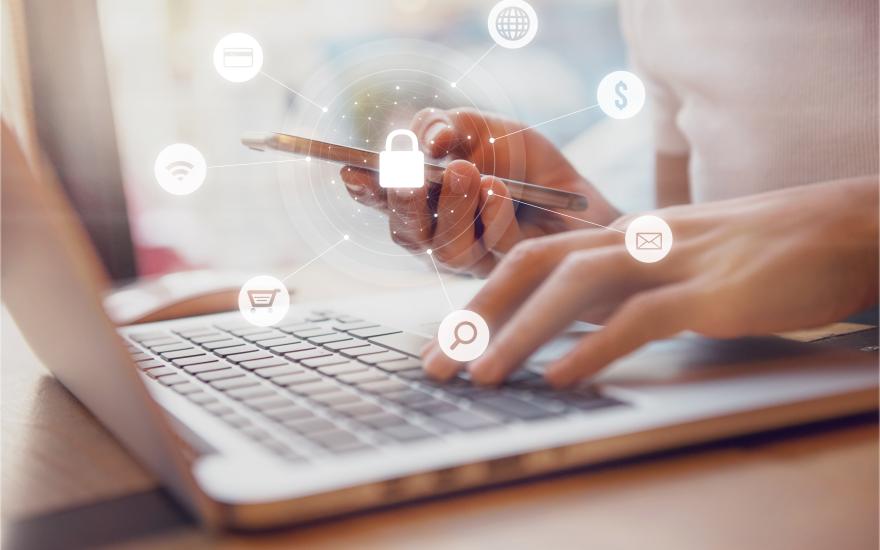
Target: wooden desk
pixel 802 489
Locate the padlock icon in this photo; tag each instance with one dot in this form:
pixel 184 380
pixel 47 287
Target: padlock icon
pixel 401 169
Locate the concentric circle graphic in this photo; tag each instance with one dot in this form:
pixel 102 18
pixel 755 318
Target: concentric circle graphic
pixel 369 92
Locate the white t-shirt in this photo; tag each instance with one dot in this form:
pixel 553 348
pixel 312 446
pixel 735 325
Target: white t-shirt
pixel 762 94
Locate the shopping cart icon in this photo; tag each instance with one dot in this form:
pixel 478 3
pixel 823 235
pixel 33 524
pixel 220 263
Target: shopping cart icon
pixel 262 299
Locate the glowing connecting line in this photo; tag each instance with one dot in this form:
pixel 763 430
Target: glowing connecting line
pixel 289 89
pixel 316 258
pixel 454 83
pixel 430 254
pixel 281 161
pixel 494 139
pixel 492 194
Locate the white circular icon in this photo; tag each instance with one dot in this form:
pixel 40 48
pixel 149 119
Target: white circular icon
pixel 180 169
pixel 513 23
pixel 463 335
pixel 648 239
pixel 238 57
pixel 263 300
pixel 621 94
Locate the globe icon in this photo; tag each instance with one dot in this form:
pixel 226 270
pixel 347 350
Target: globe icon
pixel 512 23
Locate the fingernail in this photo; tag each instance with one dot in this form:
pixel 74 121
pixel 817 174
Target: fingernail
pixel 355 188
pixel 433 131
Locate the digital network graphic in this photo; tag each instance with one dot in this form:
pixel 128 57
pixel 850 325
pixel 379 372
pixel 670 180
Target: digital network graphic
pixel 463 335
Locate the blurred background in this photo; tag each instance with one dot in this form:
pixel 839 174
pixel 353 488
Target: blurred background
pixel 349 55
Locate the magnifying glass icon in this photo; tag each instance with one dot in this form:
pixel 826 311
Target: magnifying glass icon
pixel 457 333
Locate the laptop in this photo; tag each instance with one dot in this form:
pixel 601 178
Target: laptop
pixel 328 411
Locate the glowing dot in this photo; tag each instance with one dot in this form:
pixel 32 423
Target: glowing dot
pixel 345 237
pixel 491 192
pixel 308 159
pixel 369 118
pixel 429 252
pixel 491 140
pixel 453 84
pixel 324 109
pixel 435 214
pixel 397 87
pixel 469 137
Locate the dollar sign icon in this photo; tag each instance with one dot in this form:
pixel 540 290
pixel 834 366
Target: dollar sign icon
pixel 621 101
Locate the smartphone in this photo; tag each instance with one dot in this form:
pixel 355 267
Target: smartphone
pixel 530 193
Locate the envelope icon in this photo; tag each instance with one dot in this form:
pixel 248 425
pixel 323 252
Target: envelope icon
pixel 649 241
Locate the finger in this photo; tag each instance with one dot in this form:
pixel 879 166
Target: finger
pixel 410 218
pixel 556 303
pixel 511 282
pixel 647 316
pixel 500 227
pixel 363 187
pixel 455 241
pixel 433 128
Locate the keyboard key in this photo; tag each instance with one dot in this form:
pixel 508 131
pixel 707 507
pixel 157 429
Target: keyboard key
pixel 161 371
pixel 223 374
pixel 361 377
pixel 184 388
pixel 375 358
pixel 247 330
pixel 194 360
pixel 182 353
pixel 324 361
pixel 359 409
pixel 255 433
pixel 250 356
pixel 334 439
pixel 281 341
pixel 310 425
pixel 209 337
pixel 351 325
pixel 382 420
pixel 406 432
pixel 141 336
pixel 280 370
pixel 236 420
pixel 290 412
pixel 314 388
pixel 155 342
pixel 410 344
pixel 171 379
pixel 177 345
pixel 200 397
pixel 431 408
pixel 149 364
pixel 328 338
pixel 383 386
pixel 250 392
pixel 262 363
pixel 362 350
pixel 220 344
pixel 195 331
pixel 308 333
pixel 372 331
pixel 346 344
pixel 265 403
pixel 260 336
pixel 225 352
pixel 296 379
pixel 336 398
pixel 205 367
pixel 511 406
pixel 307 354
pixel 218 408
pixel 397 366
pixel 140 356
pixel 466 420
pixel 407 397
pixel 233 383
pixel 345 368
pixel 413 374
pixel 287 348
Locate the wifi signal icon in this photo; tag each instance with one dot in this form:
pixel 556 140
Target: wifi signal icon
pixel 180 169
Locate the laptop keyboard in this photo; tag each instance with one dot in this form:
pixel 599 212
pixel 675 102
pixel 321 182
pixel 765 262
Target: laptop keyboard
pixel 333 383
